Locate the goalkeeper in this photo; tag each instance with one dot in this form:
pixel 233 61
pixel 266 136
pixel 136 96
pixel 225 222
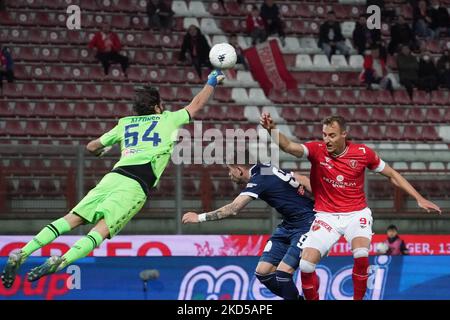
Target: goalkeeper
pixel 146 142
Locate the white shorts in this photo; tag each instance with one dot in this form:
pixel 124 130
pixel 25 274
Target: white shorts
pixel 327 228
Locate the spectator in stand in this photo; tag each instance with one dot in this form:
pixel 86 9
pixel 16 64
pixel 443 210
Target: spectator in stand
pixel 195 49
pixel 108 46
pixel 428 74
pixel 271 15
pixel 330 37
pixel 6 66
pixel 440 19
pixel 401 33
pixel 256 27
pixel 396 245
pixel 443 66
pixel 408 69
pixel 160 15
pixel 363 37
pixel 387 9
pixel 422 20
pixel 375 70
pixel 239 51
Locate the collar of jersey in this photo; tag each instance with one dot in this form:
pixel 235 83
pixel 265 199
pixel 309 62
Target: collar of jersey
pixel 342 153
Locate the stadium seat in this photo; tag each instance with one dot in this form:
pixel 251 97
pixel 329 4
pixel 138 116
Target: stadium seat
pixel 289 114
pixel 209 26
pixel 313 96
pixel 401 97
pixel 331 97
pixel 378 114
pixel 304 62
pixel 321 62
pixel 398 114
pixel 411 133
pixel 239 95
pixel 347 28
pixel 66 110
pixel 309 45
pixel 56 129
pixel 222 94
pixel 393 133
pixel 230 26
pixel 421 98
pixel 433 115
pixel 356 62
pixel 374 132
pixel 348 97
pixel 197 9
pixel 75 129
pixel 180 8
pixel 235 113
pixel 429 133
pixel 439 97
pixel 339 62
pixel 361 114
pixel 416 115
pixel 356 132
pixel 257 96
pixel 368 97
pixel 292 45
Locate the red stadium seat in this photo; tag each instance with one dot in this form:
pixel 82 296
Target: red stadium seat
pixel 393 133
pixel 416 115
pixel 278 97
pixel 421 98
pixel 289 114
pixel 223 94
pixel 361 114
pixel 230 26
pixel 433 115
pixel 43 109
pixel 313 96
pixel 356 132
pixel 439 97
pixel 324 112
pixel 13 128
pixel 304 11
pixel 398 114
pixel 185 94
pixel 330 97
pixel 345 112
pixel 216 9
pixel 24 109
pixel 308 114
pixel 216 113
pixel 94 129
pixel 102 110
pixel 378 114
pixel 303 132
pixel 166 93
pixel 120 110
pixel 55 128
pixel 401 97
pixel 429 133
pixel 120 21
pixel 374 132
pixel 64 110
pixel 27 188
pixel 348 97
pixel 234 9
pixel 411 133
pixel 34 128
pixel 368 96
pixel 235 113
pixel 384 97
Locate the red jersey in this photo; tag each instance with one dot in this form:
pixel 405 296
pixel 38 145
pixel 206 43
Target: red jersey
pixel 338 181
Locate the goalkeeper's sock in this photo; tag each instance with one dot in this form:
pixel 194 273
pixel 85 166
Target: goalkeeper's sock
pixel 45 236
pixel 82 248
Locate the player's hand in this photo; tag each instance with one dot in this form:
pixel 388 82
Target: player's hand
pixel 266 121
pixel 428 205
pixel 216 77
pixel 190 217
pixel 103 151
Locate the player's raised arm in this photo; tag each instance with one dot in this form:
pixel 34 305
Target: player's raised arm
pixel 228 210
pixel 216 77
pixel 398 180
pixel 285 144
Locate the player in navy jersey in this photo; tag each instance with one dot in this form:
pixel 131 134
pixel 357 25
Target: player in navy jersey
pixel 283 192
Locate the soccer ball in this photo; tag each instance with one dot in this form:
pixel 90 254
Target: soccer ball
pixel 223 56
pixel 381 247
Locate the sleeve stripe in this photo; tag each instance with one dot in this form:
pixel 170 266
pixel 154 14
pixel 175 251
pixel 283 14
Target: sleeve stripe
pixel 247 193
pixel 380 166
pixel 305 149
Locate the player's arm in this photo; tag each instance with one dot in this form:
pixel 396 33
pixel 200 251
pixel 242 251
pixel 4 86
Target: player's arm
pixel 398 180
pixel 285 144
pixel 303 180
pixel 97 148
pixel 216 77
pixel 226 211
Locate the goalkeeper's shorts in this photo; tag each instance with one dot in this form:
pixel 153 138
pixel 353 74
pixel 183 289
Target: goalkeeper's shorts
pixel 116 199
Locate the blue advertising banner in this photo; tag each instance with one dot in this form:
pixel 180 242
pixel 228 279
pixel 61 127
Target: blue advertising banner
pixel 225 278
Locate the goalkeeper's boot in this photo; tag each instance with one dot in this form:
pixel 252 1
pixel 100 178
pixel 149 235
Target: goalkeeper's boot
pixel 15 260
pixel 51 265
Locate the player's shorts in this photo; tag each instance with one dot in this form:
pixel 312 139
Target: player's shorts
pixel 116 198
pixel 327 228
pixel 282 246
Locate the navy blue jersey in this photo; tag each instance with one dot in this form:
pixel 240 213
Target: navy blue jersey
pixel 280 190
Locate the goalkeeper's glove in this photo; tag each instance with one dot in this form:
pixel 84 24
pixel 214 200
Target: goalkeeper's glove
pixel 215 77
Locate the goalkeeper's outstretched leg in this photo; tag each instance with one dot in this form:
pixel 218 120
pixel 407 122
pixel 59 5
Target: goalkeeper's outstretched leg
pixel 48 234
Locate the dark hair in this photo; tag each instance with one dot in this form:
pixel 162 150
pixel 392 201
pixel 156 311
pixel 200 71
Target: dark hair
pixel 254 7
pixel 392 227
pixel 145 101
pixel 338 119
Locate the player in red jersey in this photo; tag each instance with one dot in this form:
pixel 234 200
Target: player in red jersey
pixel 337 181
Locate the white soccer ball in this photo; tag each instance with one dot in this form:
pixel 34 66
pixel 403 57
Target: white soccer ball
pixel 382 247
pixel 223 56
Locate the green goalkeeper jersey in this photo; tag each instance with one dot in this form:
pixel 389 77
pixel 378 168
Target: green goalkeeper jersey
pixel 146 139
